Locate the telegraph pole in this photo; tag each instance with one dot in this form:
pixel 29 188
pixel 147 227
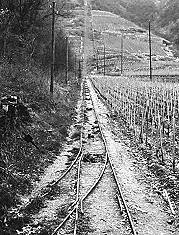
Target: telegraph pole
pixel 20 7
pixel 79 69
pixel 150 49
pixel 75 65
pixel 97 64
pixel 122 48
pixel 52 48
pixel 67 62
pixel 104 60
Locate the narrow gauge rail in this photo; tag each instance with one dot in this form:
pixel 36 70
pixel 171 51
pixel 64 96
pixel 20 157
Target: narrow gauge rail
pixel 77 206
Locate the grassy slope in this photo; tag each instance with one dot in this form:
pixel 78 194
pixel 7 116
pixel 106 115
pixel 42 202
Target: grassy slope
pixel 21 163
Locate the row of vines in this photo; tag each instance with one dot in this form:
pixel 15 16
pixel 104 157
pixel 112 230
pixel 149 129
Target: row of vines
pixel 150 109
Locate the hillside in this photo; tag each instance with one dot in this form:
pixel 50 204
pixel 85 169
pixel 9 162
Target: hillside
pixel 164 14
pixel 168 20
pixel 138 11
pixel 111 29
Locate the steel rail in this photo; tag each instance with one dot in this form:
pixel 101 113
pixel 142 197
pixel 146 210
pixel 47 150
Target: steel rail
pixel 78 157
pixel 79 200
pixel 95 184
pixel 77 194
pixel 76 203
pixel 61 177
pixel 115 175
pixel 80 150
pixel 63 222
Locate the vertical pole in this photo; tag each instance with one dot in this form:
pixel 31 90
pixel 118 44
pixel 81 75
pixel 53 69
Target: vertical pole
pixel 20 7
pixel 5 43
pixel 79 69
pixel 20 12
pixel 122 45
pixel 75 66
pixel 52 48
pixel 67 60
pixel 104 60
pixel 97 65
pixel 150 49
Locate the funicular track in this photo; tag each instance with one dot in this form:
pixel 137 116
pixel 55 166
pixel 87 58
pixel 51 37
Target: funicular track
pixel 77 207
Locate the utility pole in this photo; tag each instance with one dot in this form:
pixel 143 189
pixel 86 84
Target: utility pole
pixel 104 60
pixel 79 69
pixel 75 66
pixel 67 62
pixel 20 7
pixel 150 49
pixel 52 48
pixel 97 64
pixel 5 41
pixel 122 49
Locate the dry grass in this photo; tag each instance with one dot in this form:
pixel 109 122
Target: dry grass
pixel 21 163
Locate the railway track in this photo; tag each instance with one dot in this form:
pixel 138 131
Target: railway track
pixel 92 166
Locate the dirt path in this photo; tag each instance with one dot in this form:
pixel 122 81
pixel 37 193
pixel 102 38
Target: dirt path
pixel 149 211
pixel 101 207
pixel 101 215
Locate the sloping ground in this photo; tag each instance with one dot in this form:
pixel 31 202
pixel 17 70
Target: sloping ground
pixel 119 34
pixel 23 163
pixel 104 19
pixel 135 41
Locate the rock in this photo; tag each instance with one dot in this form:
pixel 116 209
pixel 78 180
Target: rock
pixel 170 221
pixel 63 131
pixel 74 150
pixel 90 136
pixel 76 135
pixel 89 109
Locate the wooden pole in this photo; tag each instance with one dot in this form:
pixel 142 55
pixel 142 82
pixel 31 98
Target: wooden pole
pixel 52 48
pixel 122 45
pixel 104 60
pixel 20 7
pixel 150 50
pixel 97 65
pixel 75 66
pixel 67 60
pixel 79 69
pixel 173 137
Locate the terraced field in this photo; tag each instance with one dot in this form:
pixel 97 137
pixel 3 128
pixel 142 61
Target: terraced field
pixel 112 30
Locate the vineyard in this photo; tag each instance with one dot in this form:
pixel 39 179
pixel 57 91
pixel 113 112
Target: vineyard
pixel 150 109
pixel 136 75
pixel 128 44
